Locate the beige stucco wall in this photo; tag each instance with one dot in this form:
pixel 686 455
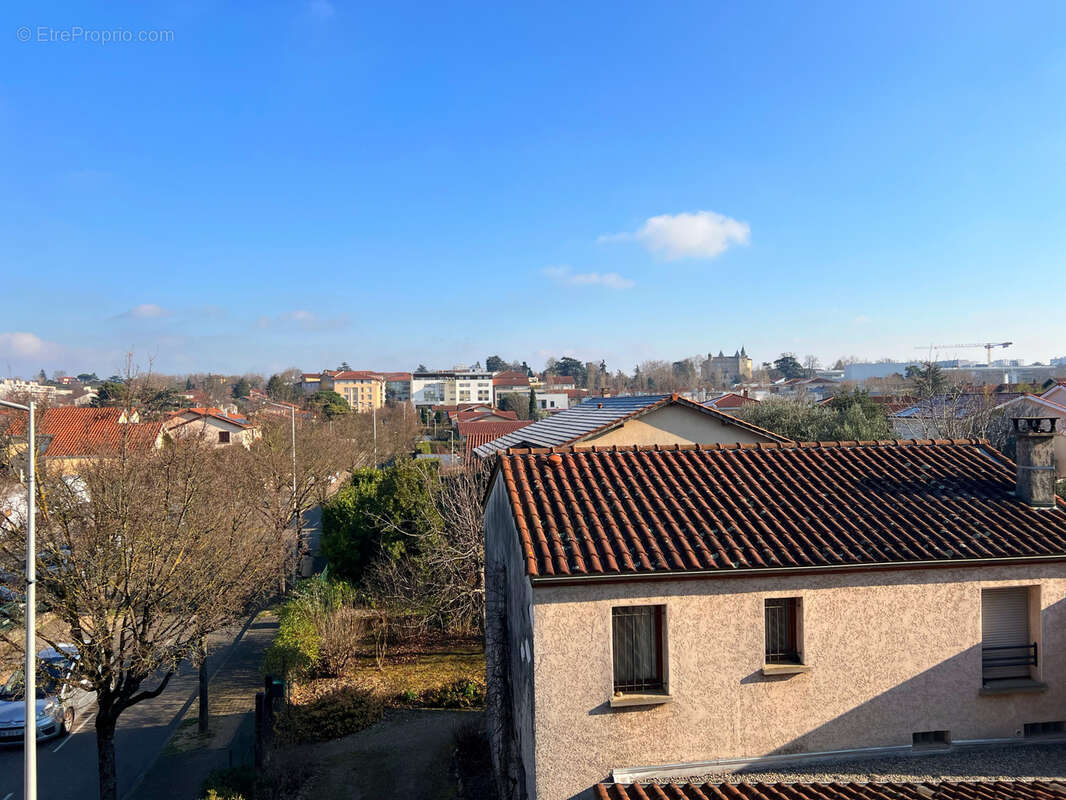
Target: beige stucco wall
pixel 675 425
pixel 890 653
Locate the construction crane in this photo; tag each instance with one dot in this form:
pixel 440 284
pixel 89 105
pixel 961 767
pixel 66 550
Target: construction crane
pixel 988 346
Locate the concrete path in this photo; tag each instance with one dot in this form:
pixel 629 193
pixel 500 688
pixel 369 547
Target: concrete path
pixel 189 757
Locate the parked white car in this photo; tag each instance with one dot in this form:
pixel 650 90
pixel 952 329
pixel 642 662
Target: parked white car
pixel 60 698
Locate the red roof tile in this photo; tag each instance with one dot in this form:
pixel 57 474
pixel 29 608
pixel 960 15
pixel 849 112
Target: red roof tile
pixel 478 432
pixel 80 431
pixel 721 508
pixel 731 400
pixel 558 380
pixel 471 416
pixel 357 375
pixel 510 378
pixel 948 790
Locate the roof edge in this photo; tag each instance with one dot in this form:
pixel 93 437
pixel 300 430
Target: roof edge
pixel 749 572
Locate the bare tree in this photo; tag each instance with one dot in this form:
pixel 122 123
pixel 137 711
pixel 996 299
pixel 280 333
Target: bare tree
pixel 141 556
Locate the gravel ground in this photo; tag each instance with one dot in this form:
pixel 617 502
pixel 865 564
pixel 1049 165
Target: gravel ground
pixel 1011 762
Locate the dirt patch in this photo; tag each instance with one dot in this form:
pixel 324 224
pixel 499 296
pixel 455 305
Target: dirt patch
pixel 408 754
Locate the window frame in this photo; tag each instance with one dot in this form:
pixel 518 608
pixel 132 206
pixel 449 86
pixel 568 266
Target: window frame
pixel 224 437
pixel 791 654
pixel 659 683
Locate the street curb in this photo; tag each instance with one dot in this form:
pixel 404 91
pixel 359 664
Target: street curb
pixel 172 727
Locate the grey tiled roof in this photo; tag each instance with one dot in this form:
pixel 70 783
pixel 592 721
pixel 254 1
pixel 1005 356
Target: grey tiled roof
pixel 571 424
pixel 574 424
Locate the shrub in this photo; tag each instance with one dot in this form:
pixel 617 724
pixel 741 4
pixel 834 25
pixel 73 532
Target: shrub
pixel 462 693
pixel 330 715
pixel 318 630
pixel 340 632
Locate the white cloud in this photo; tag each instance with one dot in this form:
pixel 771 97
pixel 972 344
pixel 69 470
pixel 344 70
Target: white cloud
pixel 610 280
pixel 146 311
pixel 323 9
pixel 691 234
pixel 20 345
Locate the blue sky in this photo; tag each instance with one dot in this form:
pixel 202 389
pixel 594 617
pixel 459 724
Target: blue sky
pixel 389 184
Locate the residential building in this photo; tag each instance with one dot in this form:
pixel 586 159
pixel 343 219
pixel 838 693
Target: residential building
pixel 655 611
pixel 363 390
pixel 397 387
pixel 723 370
pixel 552 401
pixel 450 387
pixel 71 434
pixel 657 419
pixel 311 382
pixel 558 383
pixel 211 425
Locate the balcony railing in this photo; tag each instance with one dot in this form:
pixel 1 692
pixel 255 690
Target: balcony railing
pixel 1009 655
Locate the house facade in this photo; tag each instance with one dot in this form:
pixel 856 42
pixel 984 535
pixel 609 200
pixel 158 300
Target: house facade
pixel 635 419
pixel 211 425
pixel 659 613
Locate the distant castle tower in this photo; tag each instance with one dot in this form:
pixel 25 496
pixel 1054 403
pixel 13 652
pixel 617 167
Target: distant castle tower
pixel 724 370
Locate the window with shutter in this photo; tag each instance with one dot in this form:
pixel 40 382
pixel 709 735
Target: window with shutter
pixel 1007 650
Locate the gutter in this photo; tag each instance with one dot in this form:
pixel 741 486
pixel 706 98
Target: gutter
pixel 551 580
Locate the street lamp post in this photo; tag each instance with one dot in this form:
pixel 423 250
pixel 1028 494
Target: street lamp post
pixel 30 668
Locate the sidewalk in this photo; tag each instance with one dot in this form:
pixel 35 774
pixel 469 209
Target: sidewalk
pixel 188 757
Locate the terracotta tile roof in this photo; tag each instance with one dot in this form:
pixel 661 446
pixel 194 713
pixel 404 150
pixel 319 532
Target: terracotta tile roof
pixel 497 426
pixel 471 416
pixel 357 375
pixel 730 400
pixel 558 380
pixel 479 432
pixel 397 376
pixel 83 431
pixel 948 790
pixel 720 508
pixel 510 378
pixel 599 414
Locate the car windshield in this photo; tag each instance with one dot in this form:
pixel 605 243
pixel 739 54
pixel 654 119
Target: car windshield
pixel 49 679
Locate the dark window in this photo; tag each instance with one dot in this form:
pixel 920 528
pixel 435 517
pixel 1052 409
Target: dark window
pixel 1044 728
pixel 930 738
pixel 223 437
pixel 638 648
pixel 782 634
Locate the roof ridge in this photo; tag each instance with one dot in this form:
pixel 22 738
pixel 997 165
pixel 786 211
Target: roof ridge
pixel 718 446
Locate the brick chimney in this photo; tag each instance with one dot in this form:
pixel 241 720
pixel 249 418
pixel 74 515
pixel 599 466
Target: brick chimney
pixel 1035 438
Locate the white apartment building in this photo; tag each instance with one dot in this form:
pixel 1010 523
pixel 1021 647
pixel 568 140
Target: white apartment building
pixel 451 387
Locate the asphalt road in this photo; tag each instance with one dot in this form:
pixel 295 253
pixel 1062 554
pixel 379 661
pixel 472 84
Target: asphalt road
pixel 66 767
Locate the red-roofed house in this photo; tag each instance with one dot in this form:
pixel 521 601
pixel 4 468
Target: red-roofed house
pixel 731 401
pixel 71 434
pixel 212 426
pixel 558 383
pixel 664 611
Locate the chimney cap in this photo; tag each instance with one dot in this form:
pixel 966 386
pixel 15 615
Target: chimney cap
pixel 1034 425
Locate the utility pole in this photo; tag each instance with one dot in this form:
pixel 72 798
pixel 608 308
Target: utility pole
pixel 203 686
